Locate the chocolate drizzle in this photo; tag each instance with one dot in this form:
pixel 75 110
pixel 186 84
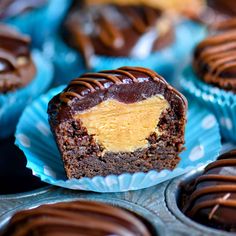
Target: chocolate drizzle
pixel 11 8
pixel 215 60
pixel 16 66
pixel 76 218
pixel 114 30
pixel 213 195
pixel 93 82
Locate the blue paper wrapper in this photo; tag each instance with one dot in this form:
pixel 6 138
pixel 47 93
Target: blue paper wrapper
pixel 41 22
pixel 13 103
pixel 222 103
pixel 34 138
pixel 168 62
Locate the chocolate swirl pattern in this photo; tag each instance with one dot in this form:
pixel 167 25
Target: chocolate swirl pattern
pixel 115 30
pixel 16 66
pixel 212 199
pixel 11 8
pixel 215 60
pixel 76 218
pixel 93 82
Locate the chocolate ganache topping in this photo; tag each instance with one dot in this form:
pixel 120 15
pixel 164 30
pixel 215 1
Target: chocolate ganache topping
pixel 121 84
pixel 16 66
pixel 76 218
pixel 215 60
pixel 11 8
pixel 115 30
pixel 212 198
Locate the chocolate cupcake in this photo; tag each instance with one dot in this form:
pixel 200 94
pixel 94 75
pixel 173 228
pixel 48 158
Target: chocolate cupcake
pixel 77 218
pixel 17 68
pixel 215 60
pixel 116 31
pixel 217 12
pixel 210 199
pixel 211 78
pixel 189 8
pixel 93 123
pixel 38 18
pixel 23 76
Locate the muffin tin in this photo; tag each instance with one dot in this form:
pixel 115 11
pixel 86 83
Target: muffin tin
pixel 158 204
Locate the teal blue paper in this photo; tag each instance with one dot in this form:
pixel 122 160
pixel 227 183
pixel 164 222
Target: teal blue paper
pixel 168 62
pixel 218 101
pixel 13 103
pixel 41 22
pixel 34 138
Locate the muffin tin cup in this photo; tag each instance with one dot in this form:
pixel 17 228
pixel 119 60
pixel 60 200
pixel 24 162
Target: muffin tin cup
pixel 69 63
pixel 34 138
pixel 13 103
pixel 157 226
pixel 41 22
pixel 218 101
pixel 173 194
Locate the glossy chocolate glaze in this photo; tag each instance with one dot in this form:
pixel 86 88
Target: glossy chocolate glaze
pixel 11 8
pixel 215 60
pixel 126 84
pixel 16 66
pixel 227 7
pixel 211 199
pixel 76 218
pixel 114 30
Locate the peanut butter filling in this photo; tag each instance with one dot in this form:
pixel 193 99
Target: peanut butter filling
pixel 121 127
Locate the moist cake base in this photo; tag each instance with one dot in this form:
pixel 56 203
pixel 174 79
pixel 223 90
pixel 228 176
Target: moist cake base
pixel 82 156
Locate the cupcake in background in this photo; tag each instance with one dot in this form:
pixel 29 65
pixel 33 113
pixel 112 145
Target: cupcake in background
pixel 38 18
pixel 211 79
pixel 217 13
pixel 188 8
pixel 107 36
pixel 23 76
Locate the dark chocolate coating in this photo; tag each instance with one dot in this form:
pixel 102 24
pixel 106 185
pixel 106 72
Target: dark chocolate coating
pixel 211 200
pixel 227 7
pixel 126 84
pixel 11 8
pixel 114 30
pixel 215 60
pixel 16 66
pixel 76 218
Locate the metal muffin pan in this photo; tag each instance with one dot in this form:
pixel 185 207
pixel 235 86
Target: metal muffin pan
pixel 149 203
pixel 53 195
pixel 173 194
pixel 157 204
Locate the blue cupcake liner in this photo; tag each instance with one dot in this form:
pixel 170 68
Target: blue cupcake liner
pixel 13 103
pixel 41 22
pixel 34 138
pixel 222 103
pixel 167 62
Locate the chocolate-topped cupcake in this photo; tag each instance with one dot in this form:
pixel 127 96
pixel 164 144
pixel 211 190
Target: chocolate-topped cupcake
pixel 211 198
pixel 24 75
pixel 16 66
pixel 77 218
pixel 37 18
pixel 116 31
pixel 215 60
pixel 117 121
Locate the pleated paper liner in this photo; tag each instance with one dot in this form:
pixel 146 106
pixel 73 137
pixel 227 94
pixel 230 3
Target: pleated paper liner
pixel 34 138
pixel 41 22
pixel 13 103
pixel 167 61
pixel 222 103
